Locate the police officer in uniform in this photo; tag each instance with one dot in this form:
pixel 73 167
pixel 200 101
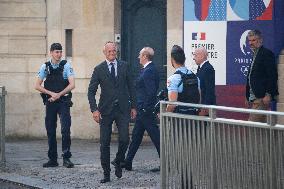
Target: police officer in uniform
pixel 175 86
pixel 177 92
pixel 58 78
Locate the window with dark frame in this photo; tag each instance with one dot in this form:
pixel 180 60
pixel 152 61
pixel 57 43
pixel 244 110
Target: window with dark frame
pixel 68 42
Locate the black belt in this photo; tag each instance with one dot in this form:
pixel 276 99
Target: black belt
pixel 186 110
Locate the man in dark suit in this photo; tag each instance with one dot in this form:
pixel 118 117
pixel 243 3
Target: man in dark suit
pixel 117 103
pixel 206 75
pixel 261 87
pixel 146 88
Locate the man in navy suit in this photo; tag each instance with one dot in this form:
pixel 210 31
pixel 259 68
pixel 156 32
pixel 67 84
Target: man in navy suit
pixel 206 75
pixel 146 87
pixel 261 87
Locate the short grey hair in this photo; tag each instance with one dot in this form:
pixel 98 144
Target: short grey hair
pixel 148 52
pixel 110 42
pixel 256 33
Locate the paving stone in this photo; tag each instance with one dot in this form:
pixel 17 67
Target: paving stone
pixel 25 159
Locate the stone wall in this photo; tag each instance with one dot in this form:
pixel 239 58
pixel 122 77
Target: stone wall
pixel 27 28
pixel 174 29
pixel 22 48
pixel 92 23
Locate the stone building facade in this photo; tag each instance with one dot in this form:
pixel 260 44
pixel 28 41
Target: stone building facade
pixel 28 27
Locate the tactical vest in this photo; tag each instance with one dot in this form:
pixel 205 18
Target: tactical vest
pixel 189 94
pixel 54 80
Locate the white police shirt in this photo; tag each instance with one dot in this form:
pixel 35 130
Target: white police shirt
pixel 67 70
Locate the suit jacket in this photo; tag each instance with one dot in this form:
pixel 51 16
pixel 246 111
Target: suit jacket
pixel 121 88
pixel 206 75
pixel 147 86
pixel 264 76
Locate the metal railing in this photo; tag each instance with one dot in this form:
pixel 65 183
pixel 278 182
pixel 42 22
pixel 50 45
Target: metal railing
pixel 199 152
pixel 3 93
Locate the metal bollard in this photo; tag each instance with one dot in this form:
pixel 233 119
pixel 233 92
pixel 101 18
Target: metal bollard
pixel 3 93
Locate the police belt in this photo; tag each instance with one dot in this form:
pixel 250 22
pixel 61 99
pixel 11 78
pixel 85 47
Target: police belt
pixel 65 98
pixel 186 110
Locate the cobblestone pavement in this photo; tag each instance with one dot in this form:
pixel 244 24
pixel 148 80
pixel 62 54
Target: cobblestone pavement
pixel 24 161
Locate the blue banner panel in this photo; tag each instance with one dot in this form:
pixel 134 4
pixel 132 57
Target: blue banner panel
pixel 239 54
pixel 205 10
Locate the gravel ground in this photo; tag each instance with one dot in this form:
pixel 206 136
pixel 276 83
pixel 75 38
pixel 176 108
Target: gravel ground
pixel 24 161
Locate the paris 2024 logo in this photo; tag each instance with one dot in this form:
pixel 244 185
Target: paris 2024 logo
pixel 246 58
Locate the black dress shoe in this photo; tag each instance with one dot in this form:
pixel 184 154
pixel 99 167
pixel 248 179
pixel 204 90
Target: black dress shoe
pixel 155 169
pixel 127 165
pixel 67 163
pixel 118 171
pixel 114 163
pixel 105 179
pixel 50 163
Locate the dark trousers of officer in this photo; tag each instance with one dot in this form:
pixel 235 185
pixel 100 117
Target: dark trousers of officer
pixel 63 110
pixel 144 121
pixel 122 121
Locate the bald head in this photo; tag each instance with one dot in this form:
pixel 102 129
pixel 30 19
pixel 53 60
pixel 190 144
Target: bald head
pixel 109 51
pixel 145 55
pixel 200 55
pixel 148 52
pixel 109 44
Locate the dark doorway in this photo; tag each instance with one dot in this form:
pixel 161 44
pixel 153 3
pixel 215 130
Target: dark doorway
pixel 144 24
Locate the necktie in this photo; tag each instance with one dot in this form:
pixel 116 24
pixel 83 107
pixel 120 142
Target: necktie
pixel 112 70
pixel 198 69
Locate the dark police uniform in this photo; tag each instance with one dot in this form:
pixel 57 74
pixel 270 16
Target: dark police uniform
pixel 174 84
pixel 56 79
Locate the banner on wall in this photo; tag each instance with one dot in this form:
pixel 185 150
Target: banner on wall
pixel 203 34
pixel 249 10
pixel 228 10
pixel 221 26
pixel 239 54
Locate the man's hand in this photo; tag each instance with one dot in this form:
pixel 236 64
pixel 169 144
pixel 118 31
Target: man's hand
pixel 170 108
pixel 158 116
pixel 51 99
pixel 54 97
pixel 97 116
pixel 133 113
pixel 266 99
pixel 247 103
pixel 173 96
